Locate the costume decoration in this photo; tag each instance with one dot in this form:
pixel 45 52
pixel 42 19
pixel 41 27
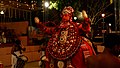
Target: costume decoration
pixel 64 44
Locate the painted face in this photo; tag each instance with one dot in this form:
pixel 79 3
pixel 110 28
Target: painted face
pixel 67 13
pixel 65 17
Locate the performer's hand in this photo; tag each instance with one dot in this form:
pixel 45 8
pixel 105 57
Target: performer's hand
pixel 45 58
pixel 84 14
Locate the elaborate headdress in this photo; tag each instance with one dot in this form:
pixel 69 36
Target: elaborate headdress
pixel 68 10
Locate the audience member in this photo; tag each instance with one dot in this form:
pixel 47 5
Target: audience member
pixel 16 52
pixel 109 57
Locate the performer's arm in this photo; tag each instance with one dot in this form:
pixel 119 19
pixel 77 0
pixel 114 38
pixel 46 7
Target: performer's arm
pixel 43 27
pixel 85 26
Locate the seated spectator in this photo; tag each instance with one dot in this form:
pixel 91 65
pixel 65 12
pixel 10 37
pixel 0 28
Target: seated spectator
pixel 109 57
pixel 16 52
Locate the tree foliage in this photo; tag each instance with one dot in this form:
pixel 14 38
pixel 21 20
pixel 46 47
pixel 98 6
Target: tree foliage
pixel 94 8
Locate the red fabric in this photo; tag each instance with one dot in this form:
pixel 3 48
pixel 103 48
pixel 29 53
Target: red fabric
pixel 1 65
pixel 45 29
pixel 84 27
pixel 78 59
pixel 89 47
pixel 47 62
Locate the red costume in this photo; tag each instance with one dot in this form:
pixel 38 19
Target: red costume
pixel 66 48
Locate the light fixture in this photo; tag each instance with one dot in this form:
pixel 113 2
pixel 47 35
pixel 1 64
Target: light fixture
pixel 2 12
pixel 46 4
pixel 103 15
pixel 109 24
pixel 2 8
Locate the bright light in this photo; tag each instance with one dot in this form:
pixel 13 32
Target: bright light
pixel 46 4
pixel 119 56
pixel 75 18
pixel 78 23
pixel 2 12
pixel 103 15
pixel 98 34
pixel 109 24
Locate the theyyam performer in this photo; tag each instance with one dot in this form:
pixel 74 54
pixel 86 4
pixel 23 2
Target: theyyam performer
pixel 66 47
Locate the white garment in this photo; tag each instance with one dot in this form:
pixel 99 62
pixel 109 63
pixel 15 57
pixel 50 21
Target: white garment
pixel 14 59
pixel 43 53
pixel 41 56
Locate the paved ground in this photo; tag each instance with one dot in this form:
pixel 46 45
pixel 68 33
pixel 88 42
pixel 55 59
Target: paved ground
pixel 29 65
pixel 32 65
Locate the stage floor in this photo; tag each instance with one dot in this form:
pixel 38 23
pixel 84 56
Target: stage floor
pixel 34 64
